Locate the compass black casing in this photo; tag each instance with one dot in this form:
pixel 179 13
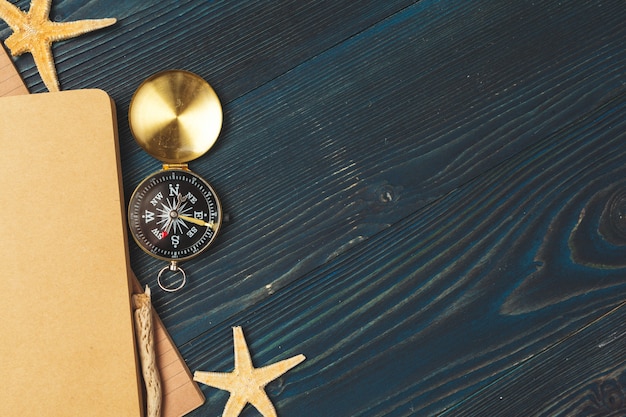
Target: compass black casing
pixel 174 215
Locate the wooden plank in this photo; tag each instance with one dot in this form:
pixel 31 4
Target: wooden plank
pixel 585 374
pixel 455 296
pixel 319 160
pixel 240 45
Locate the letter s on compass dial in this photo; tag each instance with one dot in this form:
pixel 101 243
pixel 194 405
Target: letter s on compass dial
pixel 174 215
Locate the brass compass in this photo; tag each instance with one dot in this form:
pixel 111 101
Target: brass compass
pixel 174 214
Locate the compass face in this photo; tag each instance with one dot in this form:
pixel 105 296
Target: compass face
pixel 174 215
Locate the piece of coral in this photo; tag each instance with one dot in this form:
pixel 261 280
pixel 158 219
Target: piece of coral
pixel 145 344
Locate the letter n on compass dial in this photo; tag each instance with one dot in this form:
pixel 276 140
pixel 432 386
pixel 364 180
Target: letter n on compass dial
pixel 174 215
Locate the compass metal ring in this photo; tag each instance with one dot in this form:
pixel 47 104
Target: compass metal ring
pixel 182 283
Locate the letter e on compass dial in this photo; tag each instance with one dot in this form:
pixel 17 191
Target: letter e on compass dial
pixel 174 215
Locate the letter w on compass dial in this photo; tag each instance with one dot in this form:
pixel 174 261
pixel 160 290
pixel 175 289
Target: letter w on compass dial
pixel 174 215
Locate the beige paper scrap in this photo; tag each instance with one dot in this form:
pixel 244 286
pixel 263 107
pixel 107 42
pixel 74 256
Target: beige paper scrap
pixel 10 82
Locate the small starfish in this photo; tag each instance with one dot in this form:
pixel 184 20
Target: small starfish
pixel 247 383
pixel 34 32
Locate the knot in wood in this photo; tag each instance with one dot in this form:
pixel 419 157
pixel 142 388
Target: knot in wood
pixel 614 221
pixel 606 398
pixel 387 194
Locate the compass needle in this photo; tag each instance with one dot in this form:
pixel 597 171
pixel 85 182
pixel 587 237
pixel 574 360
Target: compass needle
pixel 193 220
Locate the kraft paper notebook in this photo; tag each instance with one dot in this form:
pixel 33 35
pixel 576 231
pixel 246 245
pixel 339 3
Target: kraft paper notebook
pixel 66 334
pixel 180 393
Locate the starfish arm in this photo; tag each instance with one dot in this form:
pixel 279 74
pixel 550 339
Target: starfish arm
pixel 12 15
pixel 269 373
pixel 223 381
pixel 243 361
pixel 39 9
pixel 262 403
pixel 234 405
pixel 65 30
pixel 42 54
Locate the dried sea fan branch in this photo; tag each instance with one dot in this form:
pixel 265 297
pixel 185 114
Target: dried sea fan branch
pixel 145 342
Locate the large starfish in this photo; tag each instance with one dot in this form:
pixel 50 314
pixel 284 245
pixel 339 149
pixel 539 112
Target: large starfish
pixel 247 383
pixel 34 32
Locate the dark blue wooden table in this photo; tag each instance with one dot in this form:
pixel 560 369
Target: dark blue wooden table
pixel 426 198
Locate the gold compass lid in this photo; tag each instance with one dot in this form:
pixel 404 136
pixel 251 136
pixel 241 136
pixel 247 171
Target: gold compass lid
pixel 175 116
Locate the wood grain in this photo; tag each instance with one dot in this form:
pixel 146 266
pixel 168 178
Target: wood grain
pixel 317 161
pixel 423 195
pixel 419 317
pixel 578 376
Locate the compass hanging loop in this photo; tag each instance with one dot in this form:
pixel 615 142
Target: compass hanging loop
pixel 173 266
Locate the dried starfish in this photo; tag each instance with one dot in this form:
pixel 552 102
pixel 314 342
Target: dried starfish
pixel 247 383
pixel 34 32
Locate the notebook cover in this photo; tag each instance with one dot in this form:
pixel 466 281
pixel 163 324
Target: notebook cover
pixel 180 393
pixel 66 334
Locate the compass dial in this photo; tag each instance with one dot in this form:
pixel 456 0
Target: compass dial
pixel 174 215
